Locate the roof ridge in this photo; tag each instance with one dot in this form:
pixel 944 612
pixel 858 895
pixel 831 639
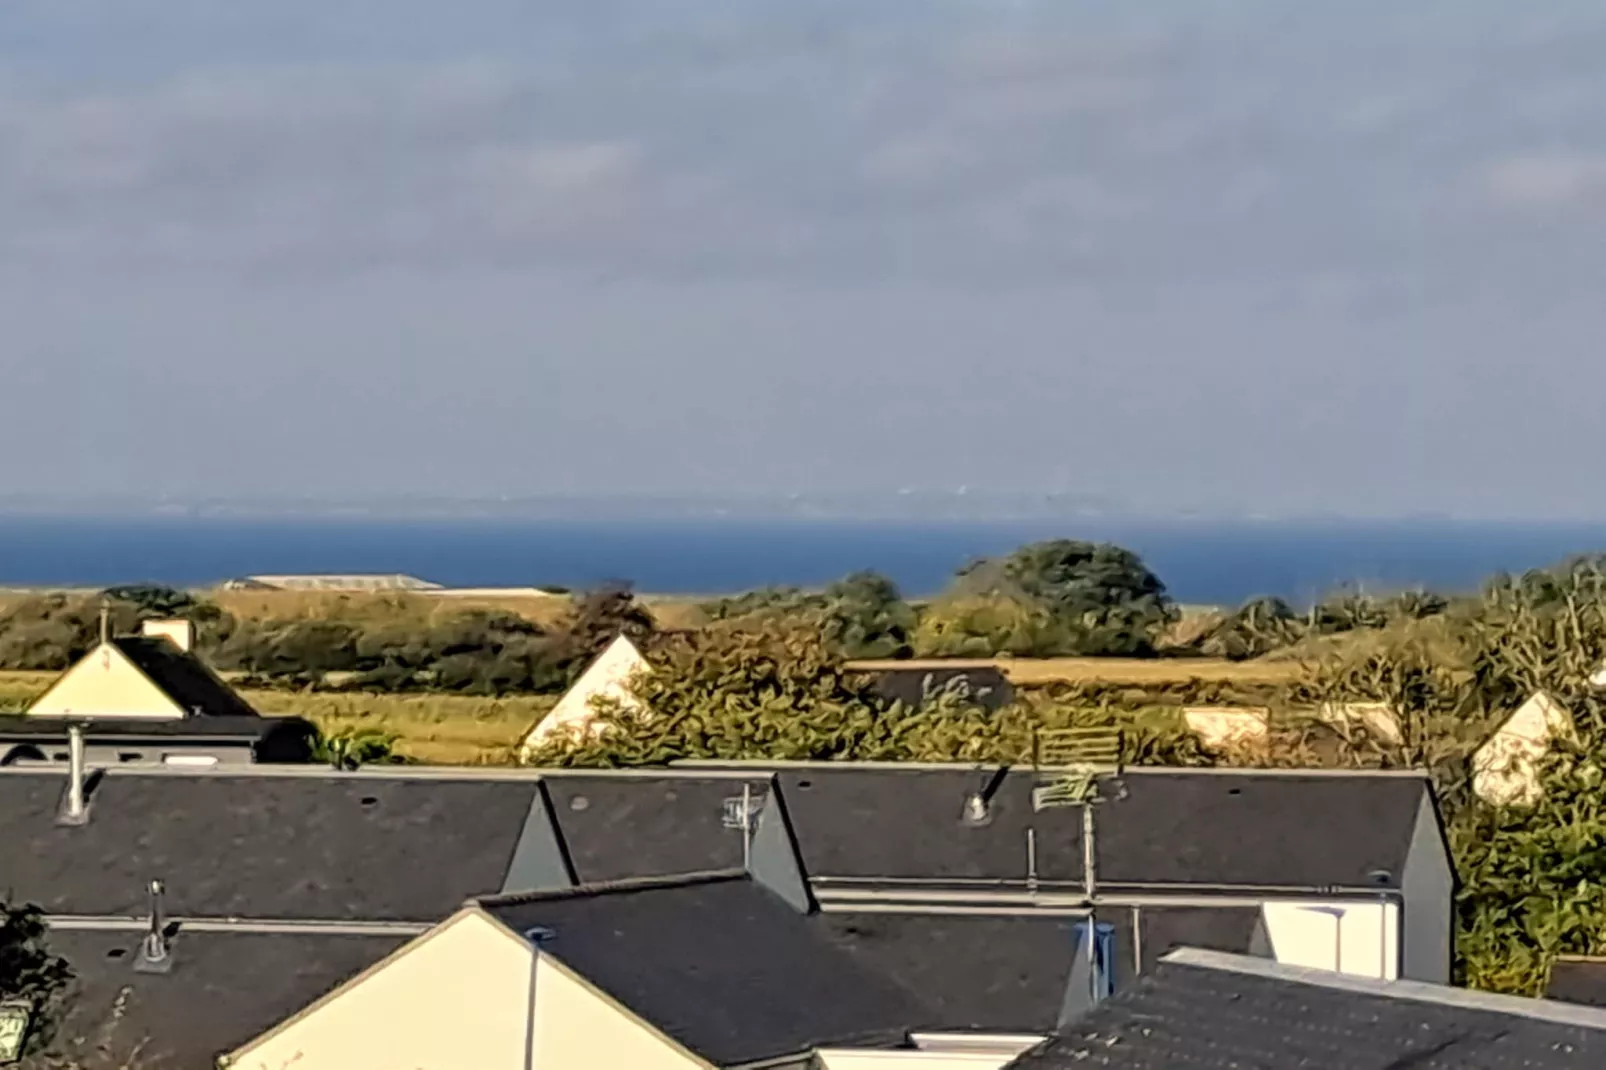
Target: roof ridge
pixel 1553 1011
pixel 623 884
pixel 254 926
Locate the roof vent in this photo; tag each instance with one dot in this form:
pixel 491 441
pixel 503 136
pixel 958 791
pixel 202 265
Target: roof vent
pixel 539 934
pixel 155 954
pixel 976 810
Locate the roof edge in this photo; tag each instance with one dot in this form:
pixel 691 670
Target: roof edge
pixel 1131 770
pixel 627 884
pixel 1418 991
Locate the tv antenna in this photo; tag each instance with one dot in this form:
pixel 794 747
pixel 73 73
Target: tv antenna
pixel 1072 765
pixel 741 812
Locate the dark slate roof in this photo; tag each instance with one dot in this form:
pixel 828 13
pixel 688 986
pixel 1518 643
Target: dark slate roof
pixel 205 727
pixel 987 687
pixel 1578 980
pixel 1249 1013
pixel 1007 972
pixel 241 844
pixel 719 964
pixel 615 826
pixel 224 989
pixel 1249 829
pixel 185 678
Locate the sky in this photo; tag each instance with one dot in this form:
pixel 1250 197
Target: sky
pixel 1339 257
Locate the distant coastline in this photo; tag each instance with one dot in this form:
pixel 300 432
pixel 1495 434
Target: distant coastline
pixel 1202 562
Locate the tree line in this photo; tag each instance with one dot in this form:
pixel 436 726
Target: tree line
pixel 1058 598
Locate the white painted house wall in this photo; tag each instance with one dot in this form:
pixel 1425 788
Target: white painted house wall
pixel 1378 718
pixel 1222 727
pixel 1505 770
pixel 468 995
pixel 1349 937
pixel 454 999
pixel 104 683
pixel 608 679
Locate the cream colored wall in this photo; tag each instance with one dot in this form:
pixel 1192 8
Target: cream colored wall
pixel 606 679
pixel 105 684
pixel 1351 937
pixel 454 999
pixel 578 1028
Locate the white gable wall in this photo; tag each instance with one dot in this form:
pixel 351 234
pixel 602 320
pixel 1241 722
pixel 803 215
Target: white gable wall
pixel 460 997
pixel 454 999
pixel 1346 936
pixel 104 683
pixel 1506 768
pixel 607 678
pixel 1221 727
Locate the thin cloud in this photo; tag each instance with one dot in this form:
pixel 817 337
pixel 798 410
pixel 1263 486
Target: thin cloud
pixel 1552 180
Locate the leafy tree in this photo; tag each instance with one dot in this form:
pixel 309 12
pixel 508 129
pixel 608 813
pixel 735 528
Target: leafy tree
pixel 1258 627
pixel 28 971
pixel 1096 598
pixel 153 599
pixel 765 601
pixel 865 616
pixel 594 621
pixel 353 748
pixel 1348 611
pixel 980 626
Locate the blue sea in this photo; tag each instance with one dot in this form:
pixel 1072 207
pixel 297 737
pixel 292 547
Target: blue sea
pixel 1200 562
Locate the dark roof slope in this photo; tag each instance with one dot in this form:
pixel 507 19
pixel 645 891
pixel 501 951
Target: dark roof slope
pixel 1204 1011
pixel 1578 980
pixel 1250 829
pixel 205 726
pixel 1008 972
pixel 986 687
pixel 325 845
pixel 224 988
pixel 185 678
pixel 719 964
pixel 616 826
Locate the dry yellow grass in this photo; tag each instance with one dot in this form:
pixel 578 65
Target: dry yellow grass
pixel 439 729
pixel 1137 671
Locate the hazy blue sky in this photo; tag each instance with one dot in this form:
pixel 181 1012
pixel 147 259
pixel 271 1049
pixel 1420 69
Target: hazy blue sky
pixel 1276 255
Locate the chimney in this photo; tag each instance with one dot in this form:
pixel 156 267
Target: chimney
pixel 75 809
pixel 154 956
pixel 181 633
pixel 105 622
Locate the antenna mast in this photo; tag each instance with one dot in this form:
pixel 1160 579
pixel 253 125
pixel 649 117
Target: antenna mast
pixel 1070 763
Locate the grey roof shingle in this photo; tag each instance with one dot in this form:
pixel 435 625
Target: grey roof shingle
pixel 1008 972
pixel 1578 980
pixel 333 846
pixel 1187 1016
pixel 224 988
pixel 719 964
pixel 1248 830
pixel 183 677
pixel 615 826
